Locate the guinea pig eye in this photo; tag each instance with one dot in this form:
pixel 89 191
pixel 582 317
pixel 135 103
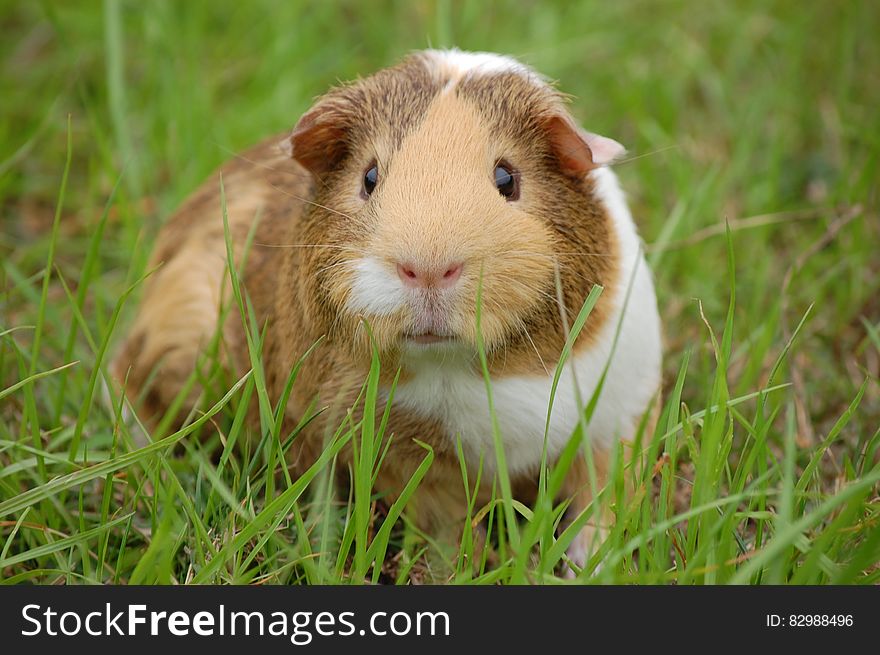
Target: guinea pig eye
pixel 506 181
pixel 371 178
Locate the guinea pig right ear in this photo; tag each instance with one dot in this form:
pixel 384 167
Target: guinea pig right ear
pixel 578 151
pixel 318 141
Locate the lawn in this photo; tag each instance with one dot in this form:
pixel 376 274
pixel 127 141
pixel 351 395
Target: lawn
pixel 752 172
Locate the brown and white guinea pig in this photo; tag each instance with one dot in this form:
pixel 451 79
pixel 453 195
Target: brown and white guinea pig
pixel 392 200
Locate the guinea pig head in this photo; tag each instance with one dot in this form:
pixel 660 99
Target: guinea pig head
pixel 449 181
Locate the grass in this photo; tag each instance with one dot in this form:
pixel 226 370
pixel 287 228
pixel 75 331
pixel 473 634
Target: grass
pixel 753 176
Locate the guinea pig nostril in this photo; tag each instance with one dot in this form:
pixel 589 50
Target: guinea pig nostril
pixel 452 273
pixel 406 273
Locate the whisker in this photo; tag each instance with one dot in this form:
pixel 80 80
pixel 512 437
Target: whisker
pixel 568 271
pixel 240 157
pixel 534 347
pixel 311 202
pixel 523 285
pixel 328 267
pixel 647 154
pixel 311 245
pixel 284 172
pixel 529 253
pixel 514 284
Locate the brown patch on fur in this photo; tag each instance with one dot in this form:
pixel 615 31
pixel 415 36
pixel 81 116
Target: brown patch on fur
pixel 518 110
pixel 383 108
pixel 181 301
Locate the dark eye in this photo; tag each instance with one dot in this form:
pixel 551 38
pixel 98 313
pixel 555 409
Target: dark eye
pixel 371 178
pixel 506 181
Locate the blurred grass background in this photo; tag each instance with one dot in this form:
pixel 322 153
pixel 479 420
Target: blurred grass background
pixel 760 114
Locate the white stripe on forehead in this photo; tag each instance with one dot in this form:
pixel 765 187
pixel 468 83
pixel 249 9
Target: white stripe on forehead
pixel 486 63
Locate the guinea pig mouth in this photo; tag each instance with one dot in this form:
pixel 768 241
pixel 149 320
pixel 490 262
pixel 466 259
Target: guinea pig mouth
pixel 428 338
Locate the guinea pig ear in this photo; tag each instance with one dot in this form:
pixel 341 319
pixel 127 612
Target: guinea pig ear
pixel 318 141
pixel 578 151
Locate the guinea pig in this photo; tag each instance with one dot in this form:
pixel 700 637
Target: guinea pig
pixel 374 225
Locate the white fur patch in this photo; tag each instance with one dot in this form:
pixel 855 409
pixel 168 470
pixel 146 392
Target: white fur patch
pixel 457 396
pixel 375 288
pixel 486 63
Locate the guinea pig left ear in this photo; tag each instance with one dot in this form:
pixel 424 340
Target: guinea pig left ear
pixel 578 151
pixel 318 141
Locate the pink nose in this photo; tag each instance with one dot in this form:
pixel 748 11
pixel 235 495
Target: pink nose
pixel 419 277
